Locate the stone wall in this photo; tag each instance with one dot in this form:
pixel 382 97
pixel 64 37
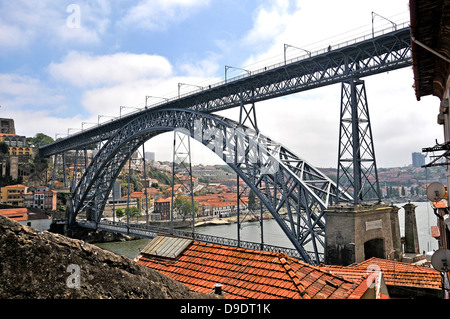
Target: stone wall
pixel 357 232
pixel 37 265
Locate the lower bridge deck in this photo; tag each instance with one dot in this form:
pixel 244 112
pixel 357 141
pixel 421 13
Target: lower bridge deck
pixel 146 231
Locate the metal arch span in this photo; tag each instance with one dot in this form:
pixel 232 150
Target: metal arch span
pixel 294 192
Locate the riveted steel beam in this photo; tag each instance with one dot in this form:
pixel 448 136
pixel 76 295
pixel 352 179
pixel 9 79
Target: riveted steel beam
pixel 282 181
pixel 387 52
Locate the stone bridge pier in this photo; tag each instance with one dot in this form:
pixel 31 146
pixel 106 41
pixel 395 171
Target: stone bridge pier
pixel 359 232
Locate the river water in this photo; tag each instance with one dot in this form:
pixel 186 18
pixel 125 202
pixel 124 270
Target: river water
pixel 273 235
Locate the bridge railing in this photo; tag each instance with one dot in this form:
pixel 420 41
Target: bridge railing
pixel 288 61
pixel 280 64
pixel 148 231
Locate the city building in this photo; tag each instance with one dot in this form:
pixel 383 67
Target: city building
pixel 150 156
pixel 18 146
pixel 143 201
pixel 28 217
pixel 403 280
pixel 162 208
pixel 13 195
pixel 7 126
pixel 41 197
pixel 430 34
pixel 418 159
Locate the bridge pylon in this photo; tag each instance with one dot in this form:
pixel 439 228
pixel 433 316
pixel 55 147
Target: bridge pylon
pixel 182 165
pixel 357 170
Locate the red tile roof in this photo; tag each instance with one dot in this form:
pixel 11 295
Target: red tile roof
pixel 440 204
pixel 252 274
pixel 18 214
pixel 394 273
pixel 164 200
pixel 22 214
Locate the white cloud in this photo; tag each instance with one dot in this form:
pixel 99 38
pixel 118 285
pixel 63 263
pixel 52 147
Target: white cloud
pixel 41 121
pixel 203 68
pixel 17 91
pixel 156 15
pixel 308 122
pixel 12 37
pixel 85 70
pixel 24 23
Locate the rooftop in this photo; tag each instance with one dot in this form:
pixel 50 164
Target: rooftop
pixel 245 273
pixel 395 273
pixel 22 214
pixel 430 32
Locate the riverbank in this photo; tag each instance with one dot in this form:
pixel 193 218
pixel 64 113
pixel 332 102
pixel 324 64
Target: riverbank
pixel 232 220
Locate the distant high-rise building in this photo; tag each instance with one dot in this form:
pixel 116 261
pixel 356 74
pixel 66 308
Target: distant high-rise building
pixel 150 156
pixel 418 159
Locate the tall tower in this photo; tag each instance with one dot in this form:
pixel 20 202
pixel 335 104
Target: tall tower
pixel 357 170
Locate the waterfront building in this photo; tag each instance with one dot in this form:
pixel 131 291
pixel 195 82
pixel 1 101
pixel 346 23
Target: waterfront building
pixel 28 217
pixel 162 208
pixel 13 195
pixel 41 197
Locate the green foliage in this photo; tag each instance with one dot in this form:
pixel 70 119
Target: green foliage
pixel 133 212
pixel 183 206
pixel 4 148
pixel 41 139
pixel 161 177
pixel 120 212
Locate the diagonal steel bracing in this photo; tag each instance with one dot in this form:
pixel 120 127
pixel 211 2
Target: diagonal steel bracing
pixel 295 186
pixel 292 190
pixel 357 169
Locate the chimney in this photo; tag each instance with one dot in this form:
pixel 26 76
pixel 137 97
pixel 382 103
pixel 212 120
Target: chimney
pixel 218 289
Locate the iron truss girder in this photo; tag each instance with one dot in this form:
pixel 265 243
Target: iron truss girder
pixel 357 169
pixel 294 192
pixel 383 53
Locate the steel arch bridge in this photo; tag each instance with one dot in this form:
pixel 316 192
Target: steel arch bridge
pixel 278 177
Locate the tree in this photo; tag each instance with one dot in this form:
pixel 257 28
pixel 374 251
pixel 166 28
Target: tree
pixel 41 139
pixel 120 212
pixel 183 206
pixel 4 148
pixel 133 211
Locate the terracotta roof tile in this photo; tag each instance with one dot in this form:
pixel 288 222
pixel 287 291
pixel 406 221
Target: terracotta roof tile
pixel 248 273
pixel 394 273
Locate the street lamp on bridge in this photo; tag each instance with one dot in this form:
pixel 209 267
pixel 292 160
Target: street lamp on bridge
pixel 227 67
pixel 100 116
pixel 155 97
pixel 70 129
pixel 286 46
pixel 82 124
pixel 181 84
pixel 56 135
pixel 377 15
pixel 127 107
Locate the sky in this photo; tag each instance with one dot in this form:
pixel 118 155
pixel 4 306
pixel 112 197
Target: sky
pixel 68 65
